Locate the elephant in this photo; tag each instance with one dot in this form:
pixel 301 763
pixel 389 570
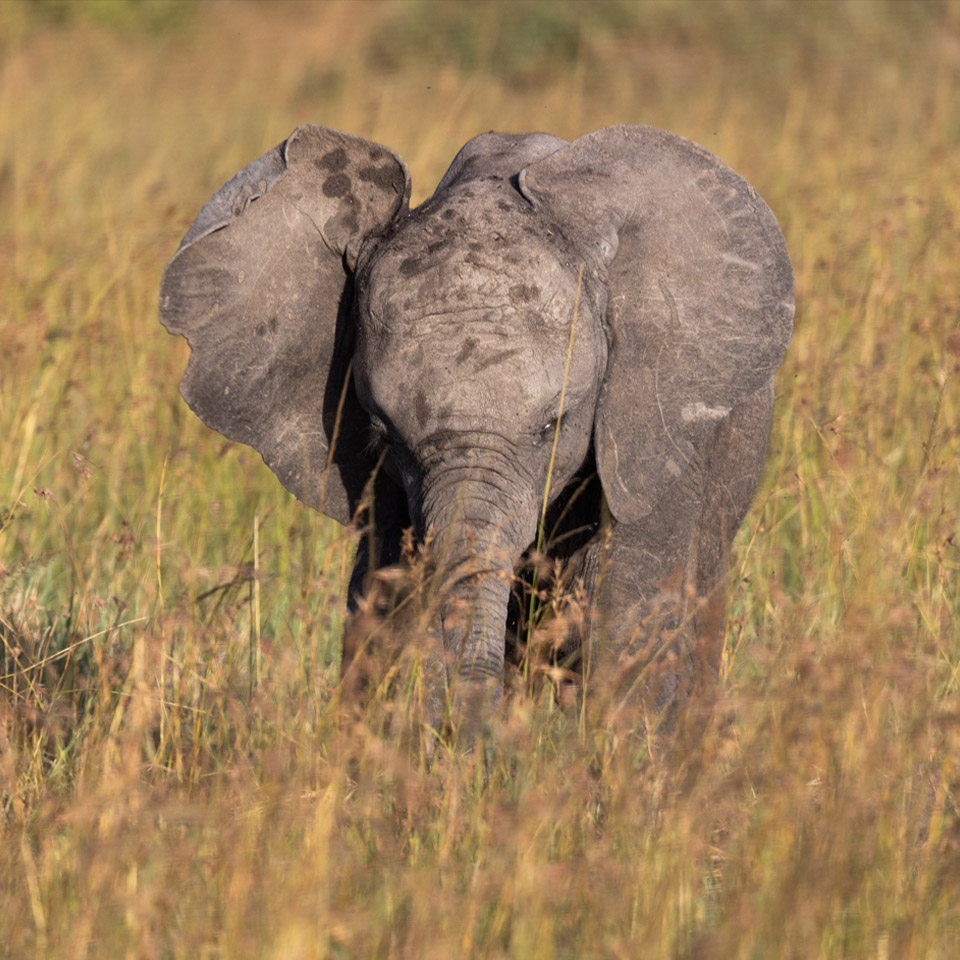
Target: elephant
pixel 580 333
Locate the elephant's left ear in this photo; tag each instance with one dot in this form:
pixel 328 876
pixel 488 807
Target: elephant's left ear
pixel 700 294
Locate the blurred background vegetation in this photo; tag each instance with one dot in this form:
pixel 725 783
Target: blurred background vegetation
pixel 177 776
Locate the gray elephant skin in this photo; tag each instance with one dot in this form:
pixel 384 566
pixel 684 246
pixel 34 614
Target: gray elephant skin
pixel 608 311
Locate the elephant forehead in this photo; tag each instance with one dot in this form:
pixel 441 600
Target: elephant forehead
pixel 433 386
pixel 449 373
pixel 478 254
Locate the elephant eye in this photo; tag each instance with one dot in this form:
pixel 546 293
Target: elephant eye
pixel 547 431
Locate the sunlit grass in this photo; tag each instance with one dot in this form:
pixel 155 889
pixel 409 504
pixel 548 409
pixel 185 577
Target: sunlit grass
pixel 179 775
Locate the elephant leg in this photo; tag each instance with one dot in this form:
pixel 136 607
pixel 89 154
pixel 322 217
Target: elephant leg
pixel 659 581
pixel 734 465
pixel 641 648
pixel 382 627
pixel 380 546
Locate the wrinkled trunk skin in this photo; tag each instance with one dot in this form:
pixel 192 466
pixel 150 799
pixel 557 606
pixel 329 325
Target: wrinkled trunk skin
pixel 479 532
pixel 472 626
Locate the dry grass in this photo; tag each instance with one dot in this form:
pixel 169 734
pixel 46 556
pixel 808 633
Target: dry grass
pixel 178 775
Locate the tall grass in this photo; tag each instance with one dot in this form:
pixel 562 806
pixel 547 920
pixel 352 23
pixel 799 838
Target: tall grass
pixel 179 776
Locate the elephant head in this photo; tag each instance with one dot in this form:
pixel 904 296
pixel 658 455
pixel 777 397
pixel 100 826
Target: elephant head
pixel 553 304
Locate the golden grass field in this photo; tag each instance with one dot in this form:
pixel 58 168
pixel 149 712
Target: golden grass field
pixel 179 776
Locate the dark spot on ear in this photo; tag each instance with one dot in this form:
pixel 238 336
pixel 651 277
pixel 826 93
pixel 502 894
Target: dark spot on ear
pixel 476 247
pixel 421 408
pixel 411 267
pixel 274 323
pixel 261 329
pixel 386 177
pixel 434 247
pixel 337 185
pixel 468 347
pixel 448 213
pixel 503 205
pixel 524 293
pixel 375 153
pixel 334 160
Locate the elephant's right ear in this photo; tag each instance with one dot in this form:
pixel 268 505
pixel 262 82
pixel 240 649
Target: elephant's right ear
pixel 261 287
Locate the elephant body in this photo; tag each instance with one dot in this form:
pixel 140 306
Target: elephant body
pixel 585 331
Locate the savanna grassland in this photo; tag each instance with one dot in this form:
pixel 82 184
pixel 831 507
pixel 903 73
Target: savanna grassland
pixel 179 775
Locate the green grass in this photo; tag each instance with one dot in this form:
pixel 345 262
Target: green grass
pixel 179 776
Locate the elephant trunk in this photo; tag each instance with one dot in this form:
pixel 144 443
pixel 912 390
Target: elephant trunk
pixel 472 622
pixel 480 530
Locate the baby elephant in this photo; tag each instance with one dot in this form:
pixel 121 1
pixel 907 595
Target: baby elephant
pixel 581 335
